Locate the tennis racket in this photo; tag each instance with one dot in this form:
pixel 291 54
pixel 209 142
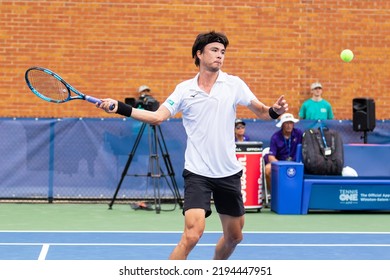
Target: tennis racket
pixel 50 87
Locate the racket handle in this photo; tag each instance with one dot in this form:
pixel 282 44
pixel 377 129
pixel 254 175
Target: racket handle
pixel 98 101
pixel 93 99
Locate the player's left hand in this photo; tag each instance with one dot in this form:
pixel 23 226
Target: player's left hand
pixel 280 106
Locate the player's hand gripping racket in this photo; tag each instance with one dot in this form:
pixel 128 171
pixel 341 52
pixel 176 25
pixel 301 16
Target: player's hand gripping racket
pixel 52 88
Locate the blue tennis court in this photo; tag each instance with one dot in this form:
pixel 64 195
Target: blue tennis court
pixel 120 245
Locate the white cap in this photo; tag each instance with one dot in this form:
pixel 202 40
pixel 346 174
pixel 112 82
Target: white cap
pixel 239 121
pixel 142 88
pixel 287 117
pixel 315 85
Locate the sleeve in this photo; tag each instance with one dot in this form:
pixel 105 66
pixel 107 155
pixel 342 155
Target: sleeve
pixel 330 114
pixel 273 149
pixel 246 96
pixel 302 112
pixel 172 103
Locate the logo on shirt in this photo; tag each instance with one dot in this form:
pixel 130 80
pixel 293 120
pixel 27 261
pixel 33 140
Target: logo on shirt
pixel 195 94
pixel 170 102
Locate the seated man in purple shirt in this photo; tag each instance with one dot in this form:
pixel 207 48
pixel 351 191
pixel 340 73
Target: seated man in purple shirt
pixel 283 145
pixel 239 131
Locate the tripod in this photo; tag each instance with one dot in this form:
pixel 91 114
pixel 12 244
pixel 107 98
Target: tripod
pixel 156 141
pixel 364 137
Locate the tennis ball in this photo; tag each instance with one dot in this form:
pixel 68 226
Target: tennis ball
pixel 346 55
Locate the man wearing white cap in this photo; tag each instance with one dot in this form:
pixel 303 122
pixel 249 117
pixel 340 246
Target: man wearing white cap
pixel 316 108
pixel 142 90
pixel 283 144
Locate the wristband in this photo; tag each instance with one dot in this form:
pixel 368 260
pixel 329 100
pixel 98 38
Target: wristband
pixel 124 109
pixel 272 113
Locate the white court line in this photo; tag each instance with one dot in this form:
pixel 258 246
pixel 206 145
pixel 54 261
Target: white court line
pixel 180 232
pixel 45 246
pixel 43 253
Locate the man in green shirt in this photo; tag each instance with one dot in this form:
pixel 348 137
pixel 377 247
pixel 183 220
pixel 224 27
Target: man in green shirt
pixel 316 108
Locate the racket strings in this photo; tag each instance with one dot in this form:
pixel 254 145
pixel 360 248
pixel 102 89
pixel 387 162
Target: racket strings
pixel 48 86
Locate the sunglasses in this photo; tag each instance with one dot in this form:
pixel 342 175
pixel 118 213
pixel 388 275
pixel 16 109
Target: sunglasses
pixel 240 126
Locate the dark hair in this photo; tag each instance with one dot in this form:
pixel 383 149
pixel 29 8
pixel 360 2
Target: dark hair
pixel 204 39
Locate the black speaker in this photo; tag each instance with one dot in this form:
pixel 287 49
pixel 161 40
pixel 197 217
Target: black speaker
pixel 363 114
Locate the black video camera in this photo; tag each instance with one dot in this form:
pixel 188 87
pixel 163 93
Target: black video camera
pixel 145 101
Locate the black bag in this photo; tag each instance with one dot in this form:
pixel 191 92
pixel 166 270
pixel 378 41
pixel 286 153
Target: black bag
pixel 322 152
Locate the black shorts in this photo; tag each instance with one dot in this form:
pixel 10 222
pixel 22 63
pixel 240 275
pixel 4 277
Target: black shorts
pixel 226 192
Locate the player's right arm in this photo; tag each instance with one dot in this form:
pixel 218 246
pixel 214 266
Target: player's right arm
pixel 150 117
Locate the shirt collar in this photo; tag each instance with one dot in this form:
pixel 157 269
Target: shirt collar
pixel 222 76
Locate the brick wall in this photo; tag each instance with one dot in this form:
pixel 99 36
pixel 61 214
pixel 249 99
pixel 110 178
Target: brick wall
pixel 108 48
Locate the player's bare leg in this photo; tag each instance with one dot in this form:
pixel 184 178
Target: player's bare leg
pixel 193 231
pixel 232 236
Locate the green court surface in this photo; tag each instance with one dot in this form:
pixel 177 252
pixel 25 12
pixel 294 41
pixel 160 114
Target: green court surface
pixel 97 217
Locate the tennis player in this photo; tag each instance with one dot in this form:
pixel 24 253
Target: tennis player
pixel 208 103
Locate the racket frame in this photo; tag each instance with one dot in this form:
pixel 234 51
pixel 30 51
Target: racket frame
pixel 70 88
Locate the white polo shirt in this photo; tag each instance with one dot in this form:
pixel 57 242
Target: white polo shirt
pixel 209 123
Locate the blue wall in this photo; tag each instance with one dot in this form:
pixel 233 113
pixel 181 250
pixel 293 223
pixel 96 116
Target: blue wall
pixel 84 158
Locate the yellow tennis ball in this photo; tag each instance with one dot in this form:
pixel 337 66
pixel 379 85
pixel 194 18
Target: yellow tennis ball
pixel 346 55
